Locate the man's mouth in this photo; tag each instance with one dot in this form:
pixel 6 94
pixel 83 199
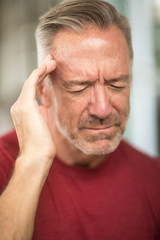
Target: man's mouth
pixel 100 127
pixel 99 124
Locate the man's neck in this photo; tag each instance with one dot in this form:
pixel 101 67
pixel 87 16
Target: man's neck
pixel 70 155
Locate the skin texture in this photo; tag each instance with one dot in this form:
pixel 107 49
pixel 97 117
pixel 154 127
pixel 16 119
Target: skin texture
pixel 89 94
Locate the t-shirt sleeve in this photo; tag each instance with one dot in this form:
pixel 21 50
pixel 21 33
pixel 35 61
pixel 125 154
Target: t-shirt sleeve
pixel 147 175
pixel 8 153
pixel 152 187
pixel 6 168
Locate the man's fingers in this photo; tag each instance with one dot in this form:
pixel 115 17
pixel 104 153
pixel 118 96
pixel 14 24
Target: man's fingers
pixel 37 76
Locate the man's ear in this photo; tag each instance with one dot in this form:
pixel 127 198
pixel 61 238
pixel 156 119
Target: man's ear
pixel 45 93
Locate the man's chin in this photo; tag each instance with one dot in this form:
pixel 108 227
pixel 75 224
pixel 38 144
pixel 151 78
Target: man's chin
pixel 99 146
pixel 97 143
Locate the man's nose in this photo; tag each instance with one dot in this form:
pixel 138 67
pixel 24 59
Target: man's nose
pixel 99 104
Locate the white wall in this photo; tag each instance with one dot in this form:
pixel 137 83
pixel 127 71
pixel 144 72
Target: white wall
pixel 143 121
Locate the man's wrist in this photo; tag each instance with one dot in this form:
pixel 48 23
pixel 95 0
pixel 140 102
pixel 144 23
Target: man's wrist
pixel 31 165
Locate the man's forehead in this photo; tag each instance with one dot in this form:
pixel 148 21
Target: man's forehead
pixel 66 42
pixel 85 54
pixel 68 70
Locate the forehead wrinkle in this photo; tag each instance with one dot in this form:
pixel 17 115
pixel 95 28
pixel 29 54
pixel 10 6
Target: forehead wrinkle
pixel 76 72
pixel 70 55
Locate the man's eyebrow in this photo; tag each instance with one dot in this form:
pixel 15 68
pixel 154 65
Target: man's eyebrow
pixel 76 82
pixel 123 77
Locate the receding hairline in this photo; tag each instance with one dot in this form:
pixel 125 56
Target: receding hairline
pixel 87 32
pixel 75 16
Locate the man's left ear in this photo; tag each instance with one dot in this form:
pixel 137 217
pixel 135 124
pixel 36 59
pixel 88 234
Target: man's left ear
pixel 45 93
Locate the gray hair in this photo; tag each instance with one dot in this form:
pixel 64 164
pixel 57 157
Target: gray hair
pixel 75 15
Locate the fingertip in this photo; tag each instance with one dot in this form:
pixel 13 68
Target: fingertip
pixel 49 57
pixel 51 65
pixel 42 68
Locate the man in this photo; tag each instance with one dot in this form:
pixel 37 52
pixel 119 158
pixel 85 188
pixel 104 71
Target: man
pixel 71 176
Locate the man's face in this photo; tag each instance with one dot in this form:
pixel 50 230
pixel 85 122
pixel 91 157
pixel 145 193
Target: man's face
pixel 91 88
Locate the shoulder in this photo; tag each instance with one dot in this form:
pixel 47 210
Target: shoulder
pixel 145 166
pixel 9 143
pixel 146 171
pixel 140 159
pixel 8 153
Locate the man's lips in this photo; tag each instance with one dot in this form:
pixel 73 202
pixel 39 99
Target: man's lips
pixel 99 128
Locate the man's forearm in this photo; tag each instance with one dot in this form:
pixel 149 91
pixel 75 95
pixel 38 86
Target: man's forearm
pixel 18 202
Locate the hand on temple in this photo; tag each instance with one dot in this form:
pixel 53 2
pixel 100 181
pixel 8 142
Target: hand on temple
pixel 33 134
pixel 18 202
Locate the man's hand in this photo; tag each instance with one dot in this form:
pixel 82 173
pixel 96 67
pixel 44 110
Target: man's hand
pixel 18 203
pixel 32 130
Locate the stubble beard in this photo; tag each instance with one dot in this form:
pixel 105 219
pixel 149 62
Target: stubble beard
pixel 98 144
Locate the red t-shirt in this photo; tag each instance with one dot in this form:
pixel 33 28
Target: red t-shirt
pixel 120 199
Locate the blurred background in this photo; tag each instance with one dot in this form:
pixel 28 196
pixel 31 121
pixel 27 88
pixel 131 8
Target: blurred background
pixel 18 20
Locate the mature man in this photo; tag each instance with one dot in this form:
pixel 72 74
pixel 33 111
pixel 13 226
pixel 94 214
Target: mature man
pixel 73 177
